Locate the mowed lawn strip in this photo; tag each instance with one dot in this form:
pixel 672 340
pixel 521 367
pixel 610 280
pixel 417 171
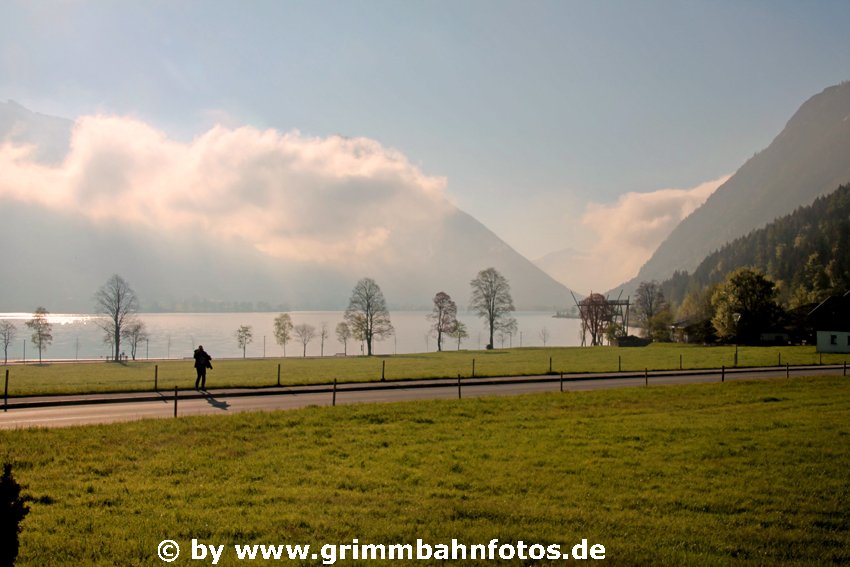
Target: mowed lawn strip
pixel 716 474
pixel 71 378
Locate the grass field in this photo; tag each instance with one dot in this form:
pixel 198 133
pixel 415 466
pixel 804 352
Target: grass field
pixel 57 378
pixel 749 473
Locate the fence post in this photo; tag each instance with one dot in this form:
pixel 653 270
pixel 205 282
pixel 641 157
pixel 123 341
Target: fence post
pixel 820 358
pixel 156 377
pixel 550 365
pixel 278 374
pixel 680 362
pixel 6 393
pixel 646 376
pixel 175 401
pixel 723 373
pixel 787 370
pixel 562 381
pixel 780 359
pixel 619 363
pixel 458 386
pixel 333 402
pixel 383 369
pixel 845 368
pixel 473 368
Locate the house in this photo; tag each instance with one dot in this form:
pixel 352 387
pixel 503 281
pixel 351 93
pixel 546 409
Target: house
pixel 831 322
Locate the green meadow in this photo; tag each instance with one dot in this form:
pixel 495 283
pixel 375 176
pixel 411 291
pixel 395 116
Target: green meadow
pixel 742 473
pixel 57 378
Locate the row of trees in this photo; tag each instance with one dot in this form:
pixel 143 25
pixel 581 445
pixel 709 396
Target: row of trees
pixel 367 318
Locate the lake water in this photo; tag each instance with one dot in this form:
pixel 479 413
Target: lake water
pixel 175 335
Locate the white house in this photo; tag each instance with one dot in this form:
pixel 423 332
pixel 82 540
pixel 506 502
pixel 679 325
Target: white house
pixel 831 322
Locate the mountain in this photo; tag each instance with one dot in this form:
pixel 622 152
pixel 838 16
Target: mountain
pixel 808 159
pixel 233 220
pixel 807 253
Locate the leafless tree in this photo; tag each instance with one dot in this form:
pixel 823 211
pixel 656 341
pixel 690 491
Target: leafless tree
pixel 544 335
pixel 343 334
pixel 443 317
pixel 596 314
pixel 323 334
pixel 305 333
pixel 244 336
pixel 42 330
pixel 459 332
pixel 367 314
pixel 134 333
pixel 8 332
pixel 491 299
pixel 117 301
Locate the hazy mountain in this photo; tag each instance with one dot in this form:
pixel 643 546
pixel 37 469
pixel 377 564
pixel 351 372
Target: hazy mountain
pixel 807 254
pixel 809 158
pixel 291 224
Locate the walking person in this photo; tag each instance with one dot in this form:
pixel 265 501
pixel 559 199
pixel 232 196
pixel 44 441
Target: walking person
pixel 202 362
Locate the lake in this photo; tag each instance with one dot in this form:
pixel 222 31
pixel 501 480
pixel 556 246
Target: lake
pixel 175 335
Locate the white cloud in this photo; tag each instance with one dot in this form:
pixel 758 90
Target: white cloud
pixel 623 235
pixel 287 195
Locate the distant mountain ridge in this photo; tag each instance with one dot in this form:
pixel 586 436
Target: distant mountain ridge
pixel 807 253
pixel 57 259
pixel 808 159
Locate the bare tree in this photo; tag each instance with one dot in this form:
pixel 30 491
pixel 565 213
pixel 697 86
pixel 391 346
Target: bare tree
pixel 459 332
pixel 343 334
pixel 491 299
pixel 305 333
pixel 367 315
pixel 544 335
pixel 244 336
pixel 8 332
pixel 443 317
pixel 283 330
pixel 134 333
pixel 596 314
pixel 117 301
pixel 42 330
pixel 323 334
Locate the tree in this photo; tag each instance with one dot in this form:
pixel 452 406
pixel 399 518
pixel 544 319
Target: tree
pixel 596 315
pixel 459 332
pixel 343 334
pixel 305 334
pixel 117 301
pixel 323 334
pixel 744 306
pixel 134 333
pixel 367 315
pixel 283 330
pixel 544 335
pixel 13 509
pixel 443 317
pixel 649 302
pixel 8 332
pixel 244 336
pixel 491 299
pixel 42 330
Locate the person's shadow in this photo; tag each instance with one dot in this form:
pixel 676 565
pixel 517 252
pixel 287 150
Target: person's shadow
pixel 222 405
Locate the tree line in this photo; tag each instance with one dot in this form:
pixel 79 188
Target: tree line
pixel 367 318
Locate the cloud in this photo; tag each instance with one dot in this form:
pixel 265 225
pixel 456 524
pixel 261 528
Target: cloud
pixel 625 234
pixel 290 196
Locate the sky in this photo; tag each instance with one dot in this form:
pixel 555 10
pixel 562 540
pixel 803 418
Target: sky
pixel 590 126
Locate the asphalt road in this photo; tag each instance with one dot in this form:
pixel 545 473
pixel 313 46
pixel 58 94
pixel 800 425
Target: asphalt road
pixel 63 411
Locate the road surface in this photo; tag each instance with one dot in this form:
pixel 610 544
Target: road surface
pixel 63 411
